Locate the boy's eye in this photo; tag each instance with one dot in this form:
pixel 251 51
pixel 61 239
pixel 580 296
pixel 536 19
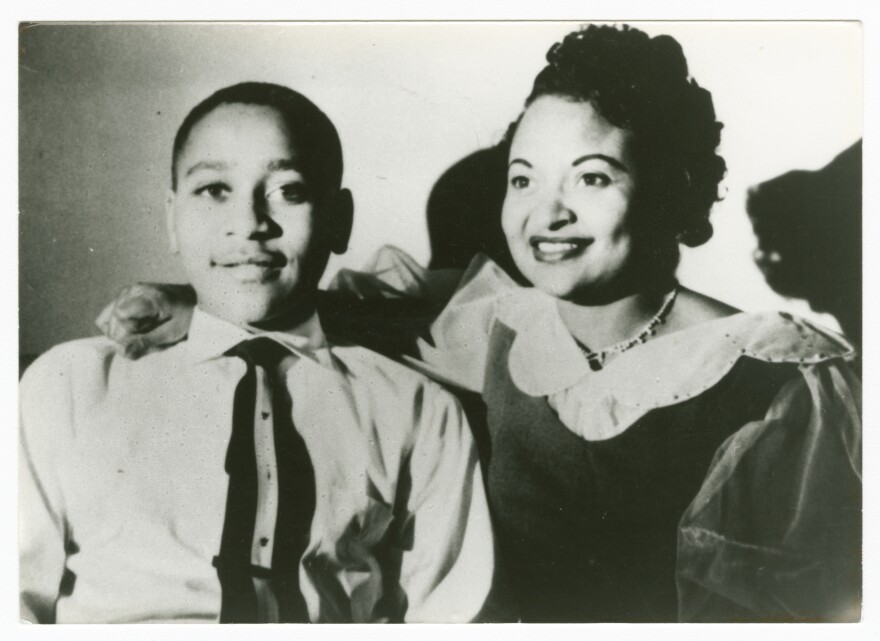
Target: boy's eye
pixel 293 193
pixel 596 180
pixel 519 182
pixel 216 191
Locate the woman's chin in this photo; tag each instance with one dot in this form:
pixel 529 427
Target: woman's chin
pixel 563 286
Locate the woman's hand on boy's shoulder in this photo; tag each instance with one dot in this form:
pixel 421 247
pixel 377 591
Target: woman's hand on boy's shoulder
pixel 147 317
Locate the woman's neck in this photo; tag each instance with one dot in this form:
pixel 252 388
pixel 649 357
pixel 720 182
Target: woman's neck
pixel 600 326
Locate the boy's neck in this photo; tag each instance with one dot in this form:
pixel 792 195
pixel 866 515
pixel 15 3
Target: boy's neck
pixel 288 323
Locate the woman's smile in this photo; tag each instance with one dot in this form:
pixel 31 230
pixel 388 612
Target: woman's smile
pixel 548 249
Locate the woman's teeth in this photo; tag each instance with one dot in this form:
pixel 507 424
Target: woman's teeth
pixel 552 247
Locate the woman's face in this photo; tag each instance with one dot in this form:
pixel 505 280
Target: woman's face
pixel 568 210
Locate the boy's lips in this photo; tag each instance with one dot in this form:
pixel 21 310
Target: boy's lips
pixel 257 267
pixel 552 249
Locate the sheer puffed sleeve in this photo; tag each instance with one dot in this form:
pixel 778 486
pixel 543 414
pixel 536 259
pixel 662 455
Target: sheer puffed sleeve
pixel 455 351
pixel 392 273
pixel 775 531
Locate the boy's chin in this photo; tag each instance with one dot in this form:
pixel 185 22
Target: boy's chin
pixel 265 314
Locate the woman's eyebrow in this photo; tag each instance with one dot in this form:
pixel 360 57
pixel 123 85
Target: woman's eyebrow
pixel 519 161
pixel 614 162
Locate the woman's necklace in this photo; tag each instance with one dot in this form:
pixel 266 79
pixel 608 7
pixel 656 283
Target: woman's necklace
pixel 597 359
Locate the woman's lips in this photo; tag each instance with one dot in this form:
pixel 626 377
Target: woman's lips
pixel 547 249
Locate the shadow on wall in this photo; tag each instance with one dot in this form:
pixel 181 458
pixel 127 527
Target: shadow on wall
pixel 809 230
pixel 464 212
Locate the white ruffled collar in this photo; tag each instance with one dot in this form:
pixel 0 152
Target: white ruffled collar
pixel 544 358
pixel 545 361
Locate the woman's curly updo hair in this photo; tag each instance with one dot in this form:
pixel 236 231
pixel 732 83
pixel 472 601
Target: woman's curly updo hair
pixel 641 84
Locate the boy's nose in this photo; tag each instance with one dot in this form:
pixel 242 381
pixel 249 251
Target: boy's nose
pixel 249 217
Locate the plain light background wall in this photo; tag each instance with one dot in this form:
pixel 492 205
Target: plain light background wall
pixel 99 106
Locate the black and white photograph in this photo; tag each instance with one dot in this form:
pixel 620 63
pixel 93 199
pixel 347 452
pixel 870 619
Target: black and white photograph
pixel 506 322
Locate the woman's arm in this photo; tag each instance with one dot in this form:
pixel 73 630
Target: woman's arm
pixel 384 307
pixel 775 532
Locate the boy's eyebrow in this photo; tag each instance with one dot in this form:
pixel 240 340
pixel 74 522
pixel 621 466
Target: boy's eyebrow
pixel 206 164
pixel 519 161
pixel 283 163
pixel 218 165
pixel 614 162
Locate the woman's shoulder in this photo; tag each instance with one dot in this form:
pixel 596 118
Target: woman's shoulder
pixel 458 342
pixel 699 320
pixel 692 309
pixel 697 357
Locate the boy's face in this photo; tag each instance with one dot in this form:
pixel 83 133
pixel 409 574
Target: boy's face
pixel 244 220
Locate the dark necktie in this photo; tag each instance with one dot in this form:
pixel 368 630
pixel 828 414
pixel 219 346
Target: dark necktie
pixel 252 592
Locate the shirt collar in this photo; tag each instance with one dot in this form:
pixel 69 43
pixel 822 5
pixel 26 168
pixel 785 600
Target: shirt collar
pixel 211 337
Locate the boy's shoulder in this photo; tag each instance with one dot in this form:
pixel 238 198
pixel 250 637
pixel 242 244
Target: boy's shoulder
pixel 70 375
pixel 78 354
pixel 365 361
pixel 406 409
pixel 381 375
pixel 83 360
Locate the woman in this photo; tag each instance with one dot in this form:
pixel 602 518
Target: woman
pixel 654 454
pixel 642 434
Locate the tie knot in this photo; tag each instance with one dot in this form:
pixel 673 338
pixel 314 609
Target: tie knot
pixel 261 351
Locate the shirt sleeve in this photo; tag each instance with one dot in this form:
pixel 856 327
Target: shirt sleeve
pixel 446 572
pixel 42 528
pixel 775 532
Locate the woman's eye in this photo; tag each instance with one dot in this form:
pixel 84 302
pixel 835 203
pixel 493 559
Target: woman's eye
pixel 596 180
pixel 519 182
pixel 216 191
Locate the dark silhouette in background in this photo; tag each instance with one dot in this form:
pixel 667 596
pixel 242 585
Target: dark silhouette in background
pixel 809 230
pixel 464 212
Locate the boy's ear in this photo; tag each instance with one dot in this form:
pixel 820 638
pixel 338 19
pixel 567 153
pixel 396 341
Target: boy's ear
pixel 169 221
pixel 343 218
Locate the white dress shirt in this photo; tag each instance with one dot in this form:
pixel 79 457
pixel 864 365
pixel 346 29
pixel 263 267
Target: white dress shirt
pixel 123 488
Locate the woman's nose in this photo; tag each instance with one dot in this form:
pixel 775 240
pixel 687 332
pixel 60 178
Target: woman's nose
pixel 557 212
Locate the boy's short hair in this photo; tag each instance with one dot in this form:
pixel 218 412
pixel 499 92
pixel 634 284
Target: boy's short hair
pixel 315 136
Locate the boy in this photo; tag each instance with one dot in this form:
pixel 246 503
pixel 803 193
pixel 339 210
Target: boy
pixel 255 472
